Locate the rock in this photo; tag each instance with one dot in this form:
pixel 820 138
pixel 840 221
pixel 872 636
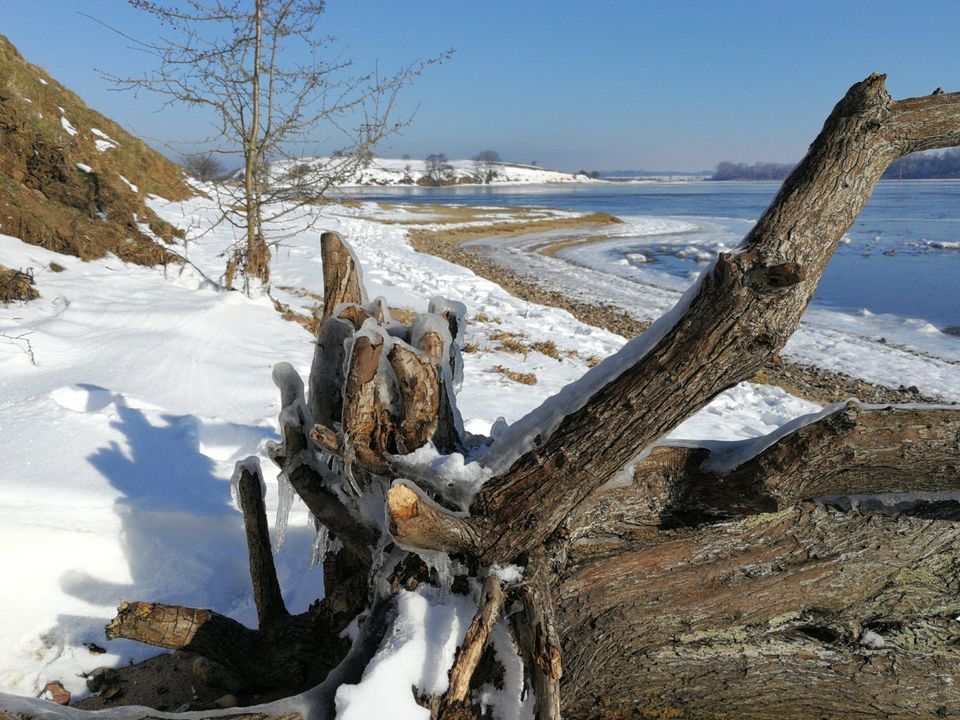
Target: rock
pixel 99 677
pixel 226 701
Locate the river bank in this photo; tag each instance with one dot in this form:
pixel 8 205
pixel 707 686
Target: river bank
pixel 448 241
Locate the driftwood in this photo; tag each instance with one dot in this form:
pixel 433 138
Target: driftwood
pixel 720 580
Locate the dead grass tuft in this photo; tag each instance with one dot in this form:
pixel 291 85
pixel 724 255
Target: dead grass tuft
pixel 57 267
pixel 483 317
pixel 516 346
pixel 548 348
pixel 311 324
pixel 471 347
pixel 16 286
pixel 522 378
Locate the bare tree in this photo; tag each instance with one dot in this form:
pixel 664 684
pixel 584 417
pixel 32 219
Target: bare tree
pixel 439 169
pixel 712 582
pixel 485 164
pixel 241 61
pixel 204 166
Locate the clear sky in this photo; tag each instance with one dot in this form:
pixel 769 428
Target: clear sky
pixel 593 84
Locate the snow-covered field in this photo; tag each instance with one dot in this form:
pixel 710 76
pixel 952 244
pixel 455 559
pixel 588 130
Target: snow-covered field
pixel 127 394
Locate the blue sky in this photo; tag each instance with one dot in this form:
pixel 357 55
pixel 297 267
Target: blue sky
pixel 601 84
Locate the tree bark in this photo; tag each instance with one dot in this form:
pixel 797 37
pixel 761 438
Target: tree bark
pixel 341 279
pixel 266 587
pixel 768 617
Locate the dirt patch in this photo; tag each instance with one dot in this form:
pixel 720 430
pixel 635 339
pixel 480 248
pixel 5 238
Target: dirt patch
pixel 167 682
pixel 16 286
pixel 807 381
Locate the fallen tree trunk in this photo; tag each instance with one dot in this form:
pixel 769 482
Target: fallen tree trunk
pixel 708 584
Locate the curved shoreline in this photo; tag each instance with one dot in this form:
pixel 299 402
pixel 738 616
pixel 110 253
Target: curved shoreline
pixel 807 381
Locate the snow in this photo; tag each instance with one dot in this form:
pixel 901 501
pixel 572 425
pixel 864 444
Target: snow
pixel 84 168
pixel 146 387
pixel 103 145
pixel 133 188
pixel 386 171
pixel 65 124
pixel 416 654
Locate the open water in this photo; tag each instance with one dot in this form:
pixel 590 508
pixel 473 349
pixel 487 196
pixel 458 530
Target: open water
pixel 901 257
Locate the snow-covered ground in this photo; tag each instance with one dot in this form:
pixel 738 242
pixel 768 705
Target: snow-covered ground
pixel 127 394
pixel 386 171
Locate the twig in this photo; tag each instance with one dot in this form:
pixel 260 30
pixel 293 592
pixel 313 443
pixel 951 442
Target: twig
pixel 23 338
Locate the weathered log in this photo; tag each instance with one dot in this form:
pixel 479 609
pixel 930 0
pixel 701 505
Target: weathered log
pixel 853 450
pixel 263 572
pixel 415 521
pixel 777 615
pixel 326 372
pixel 341 274
pixel 420 394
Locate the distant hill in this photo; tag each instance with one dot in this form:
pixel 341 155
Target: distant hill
pixel 386 171
pixel 72 180
pixel 942 165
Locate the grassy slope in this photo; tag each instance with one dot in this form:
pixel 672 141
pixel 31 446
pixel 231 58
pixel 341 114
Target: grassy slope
pixel 45 199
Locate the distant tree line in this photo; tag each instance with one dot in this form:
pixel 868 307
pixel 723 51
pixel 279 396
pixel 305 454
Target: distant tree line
pixel 757 171
pixel 918 166
pixel 929 165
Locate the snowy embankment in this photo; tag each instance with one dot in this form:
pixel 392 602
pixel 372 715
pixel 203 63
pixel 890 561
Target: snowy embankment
pixel 128 394
pixel 386 171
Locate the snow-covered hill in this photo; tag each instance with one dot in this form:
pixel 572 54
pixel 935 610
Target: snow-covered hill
pixel 384 171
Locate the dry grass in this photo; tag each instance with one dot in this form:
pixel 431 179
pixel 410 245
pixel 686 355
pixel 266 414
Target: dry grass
pixel 46 200
pixel 522 378
pixel 519 224
pixel 483 317
pixel 548 348
pixel 592 361
pixel 433 214
pixel 309 323
pixel 470 347
pixel 16 286
pixel 57 267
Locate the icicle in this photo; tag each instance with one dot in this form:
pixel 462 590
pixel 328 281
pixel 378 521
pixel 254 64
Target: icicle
pixel 321 544
pixel 348 458
pixel 286 494
pixel 441 563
